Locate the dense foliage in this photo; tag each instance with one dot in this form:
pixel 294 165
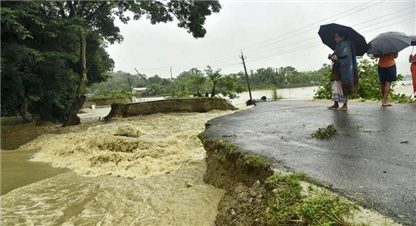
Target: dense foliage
pixel 369 84
pixel 208 82
pixel 51 51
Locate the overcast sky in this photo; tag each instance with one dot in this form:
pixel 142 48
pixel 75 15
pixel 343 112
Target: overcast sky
pixel 270 33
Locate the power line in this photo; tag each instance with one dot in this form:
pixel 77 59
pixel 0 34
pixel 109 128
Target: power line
pixel 294 43
pixel 392 24
pixel 296 34
pixel 385 15
pixel 279 38
pixel 280 47
pixel 312 46
pixel 314 27
pixel 401 16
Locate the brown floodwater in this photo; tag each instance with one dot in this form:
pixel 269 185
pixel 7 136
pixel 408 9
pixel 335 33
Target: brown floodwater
pixel 17 171
pixel 145 170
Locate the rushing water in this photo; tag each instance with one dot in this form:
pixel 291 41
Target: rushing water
pixel 133 171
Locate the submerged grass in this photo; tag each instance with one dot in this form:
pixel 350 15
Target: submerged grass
pixel 275 96
pixel 287 205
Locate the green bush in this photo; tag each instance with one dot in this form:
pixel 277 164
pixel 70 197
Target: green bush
pixel 325 133
pixel 369 85
pixel 290 208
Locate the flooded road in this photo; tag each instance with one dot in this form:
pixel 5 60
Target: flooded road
pixel 133 171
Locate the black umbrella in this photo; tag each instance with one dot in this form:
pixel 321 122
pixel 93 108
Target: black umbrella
pixel 412 40
pixel 389 42
pixel 327 34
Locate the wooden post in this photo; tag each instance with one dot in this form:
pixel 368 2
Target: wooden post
pixel 171 81
pixel 248 82
pixel 131 92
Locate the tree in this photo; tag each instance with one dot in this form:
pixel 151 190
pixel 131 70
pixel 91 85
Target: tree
pixel 227 86
pixel 84 23
pixel 264 76
pixel 369 83
pixel 196 82
pixel 214 78
pixel 35 58
pixel 98 17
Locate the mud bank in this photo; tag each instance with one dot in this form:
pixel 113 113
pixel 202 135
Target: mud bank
pixel 104 101
pixel 168 106
pixel 242 176
pixel 258 194
pixel 15 134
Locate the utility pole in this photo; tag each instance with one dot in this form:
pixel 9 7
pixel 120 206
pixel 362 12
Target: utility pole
pixel 171 81
pixel 142 76
pixel 248 82
pixel 289 91
pixel 131 92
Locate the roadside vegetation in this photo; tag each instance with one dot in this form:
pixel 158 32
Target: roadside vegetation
pixel 288 205
pixel 369 84
pixel 207 82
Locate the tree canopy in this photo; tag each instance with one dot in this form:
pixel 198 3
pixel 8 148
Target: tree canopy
pixel 52 51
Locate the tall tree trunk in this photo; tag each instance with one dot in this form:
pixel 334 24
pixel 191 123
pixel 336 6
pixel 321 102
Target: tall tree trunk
pixel 213 90
pixel 72 117
pixel 23 109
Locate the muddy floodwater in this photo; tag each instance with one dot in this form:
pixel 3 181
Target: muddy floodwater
pixel 143 170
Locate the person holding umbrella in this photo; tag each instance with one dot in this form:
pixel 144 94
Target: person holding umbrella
pixel 412 61
pixel 387 73
pixel 386 46
pixel 347 44
pixel 344 76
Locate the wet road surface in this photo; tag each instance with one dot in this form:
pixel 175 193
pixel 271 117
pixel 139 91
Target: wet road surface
pixel 372 158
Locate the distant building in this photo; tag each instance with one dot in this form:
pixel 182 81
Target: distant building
pixel 139 90
pixel 136 93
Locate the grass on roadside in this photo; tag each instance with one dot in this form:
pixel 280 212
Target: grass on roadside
pixel 288 206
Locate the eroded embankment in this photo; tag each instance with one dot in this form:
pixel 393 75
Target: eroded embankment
pixel 242 176
pixel 256 194
pixel 203 104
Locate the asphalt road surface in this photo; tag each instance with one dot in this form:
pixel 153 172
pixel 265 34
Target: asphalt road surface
pixel 371 159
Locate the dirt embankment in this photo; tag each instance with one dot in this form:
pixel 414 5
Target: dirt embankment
pixel 257 194
pixel 242 176
pixel 167 106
